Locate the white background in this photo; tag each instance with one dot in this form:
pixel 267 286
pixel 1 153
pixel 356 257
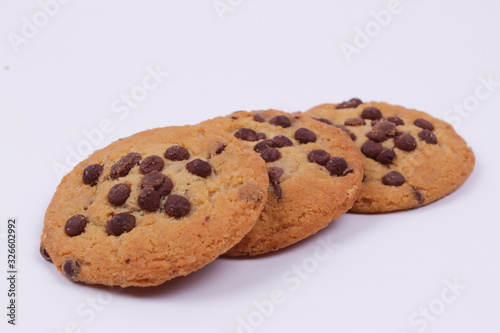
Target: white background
pixel 69 75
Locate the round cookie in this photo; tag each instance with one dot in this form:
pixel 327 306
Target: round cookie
pixel 315 173
pixel 410 158
pixel 153 206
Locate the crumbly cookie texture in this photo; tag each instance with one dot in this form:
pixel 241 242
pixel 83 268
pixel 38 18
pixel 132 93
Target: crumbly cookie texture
pixel 156 205
pixel 410 158
pixel 315 173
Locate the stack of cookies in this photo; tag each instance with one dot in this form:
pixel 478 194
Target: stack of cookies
pixel 165 202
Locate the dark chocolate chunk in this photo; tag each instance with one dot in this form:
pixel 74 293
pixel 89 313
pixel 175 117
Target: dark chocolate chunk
pixel 405 142
pixel 152 163
pixel 428 136
pixel 336 166
pixel 385 127
pixel 395 120
pixel 75 225
pixel 304 135
pixel 393 178
pixel 259 118
pixel 274 176
pixel 425 124
pixel 91 174
pixel 386 156
pixel 199 167
pixel 270 154
pixel 71 268
pixel 282 121
pixel 120 223
pixel 371 149
pixel 352 103
pixel 377 136
pixel 118 194
pixel 220 149
pixel 177 153
pixel 244 133
pixel 259 136
pixel 281 141
pixel 234 117
pixel 418 195
pixel 44 254
pixel 371 112
pixel 149 199
pixel 354 122
pixel 125 164
pixel 323 120
pixel 263 145
pixel 158 181
pixel 318 156
pixel 177 206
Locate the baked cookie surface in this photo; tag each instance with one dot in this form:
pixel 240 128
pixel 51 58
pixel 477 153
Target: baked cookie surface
pixel 315 174
pixel 153 206
pixel 410 158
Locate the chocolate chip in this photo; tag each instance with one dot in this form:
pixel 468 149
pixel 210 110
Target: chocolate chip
pixel 393 178
pixel 44 254
pixel 371 112
pixel 71 268
pixel 303 135
pixel 259 118
pixel 75 225
pixel 118 194
pixel 247 134
pixel 395 120
pixel 275 173
pixel 282 121
pixel 281 141
pixel 371 149
pixel 152 163
pixel 149 199
pixel 263 145
pixel 177 153
pixel 158 181
pixel 336 166
pixel 428 136
pixel 377 136
pixel 125 164
pixel 120 223
pixel 234 117
pixel 260 136
pixel 177 206
pixel 220 149
pixel 375 122
pixel 354 122
pixel 199 168
pixel 405 142
pixel 422 123
pixel 386 156
pixel 91 174
pixel 270 154
pixel 323 120
pixel 318 156
pixel 385 127
pixel 418 195
pixel 352 103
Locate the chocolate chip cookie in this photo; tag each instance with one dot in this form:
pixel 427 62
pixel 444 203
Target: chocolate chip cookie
pixel 315 174
pixel 159 204
pixel 410 158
